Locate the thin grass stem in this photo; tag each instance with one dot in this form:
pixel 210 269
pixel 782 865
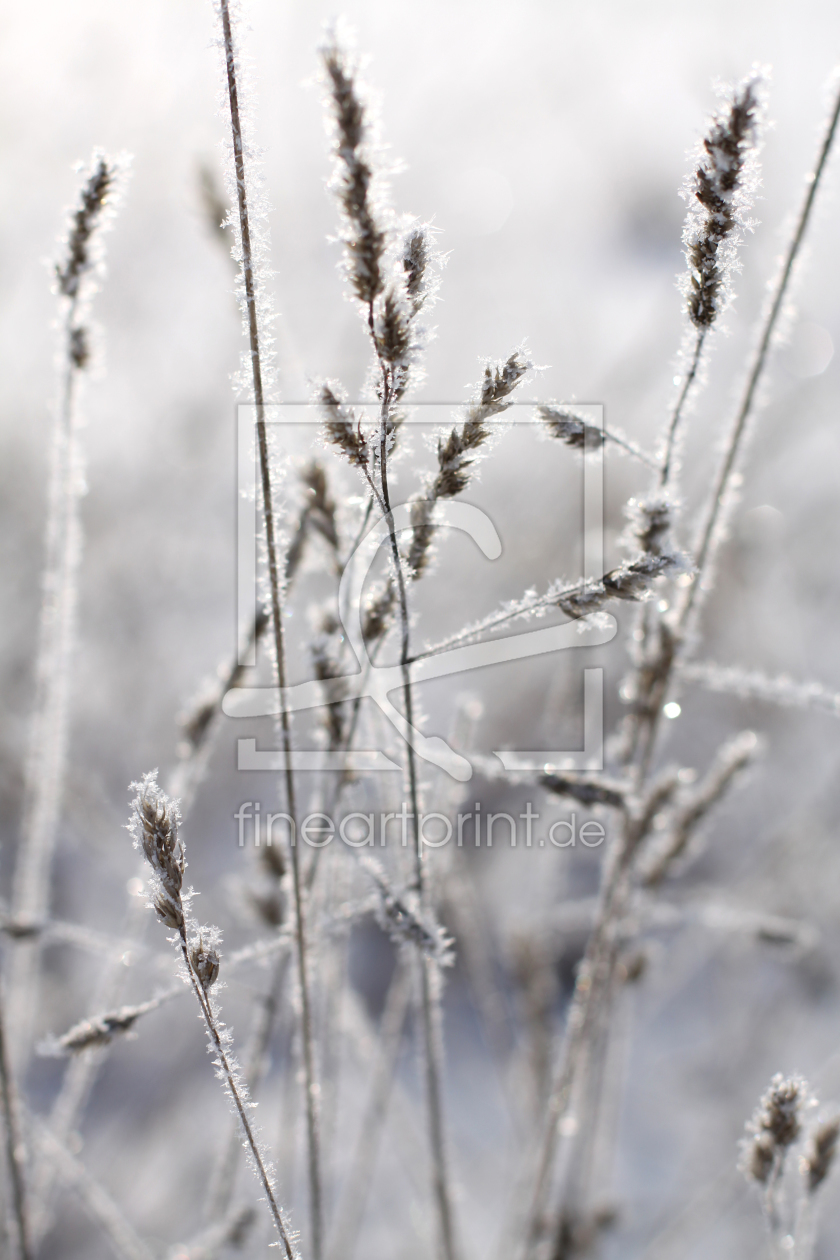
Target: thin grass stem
pixel 680 406
pixel 223 1178
pixel 274 568
pixel 236 1095
pixel 14 1146
pixel 351 1209
pixel 428 977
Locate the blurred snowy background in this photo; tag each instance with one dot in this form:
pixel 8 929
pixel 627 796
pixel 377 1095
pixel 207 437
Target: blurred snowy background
pixel 547 142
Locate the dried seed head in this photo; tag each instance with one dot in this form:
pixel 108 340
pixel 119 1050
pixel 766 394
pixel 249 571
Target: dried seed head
pixel 502 380
pixel 820 1153
pixel 633 581
pixel 580 600
pixel 354 180
pixel 392 330
pixel 589 791
pixel 204 960
pixel 341 428
pixel 378 611
pixel 154 826
pixel 775 1126
pixel 167 910
pixel 97 192
pixel 719 193
pixel 762 1153
pixel 571 429
pixel 423 530
pixel 650 522
pixel 780 1108
pixel 415 262
pixel 497 385
pixel 97 1031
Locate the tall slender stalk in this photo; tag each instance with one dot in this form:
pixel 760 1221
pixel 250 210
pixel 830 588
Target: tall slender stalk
pixel 236 1094
pixel 14 1145
pixel 274 570
pixel 710 534
pixel 427 967
pixel 76 280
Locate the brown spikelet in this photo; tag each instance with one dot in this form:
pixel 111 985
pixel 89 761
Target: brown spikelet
pixel 775 1126
pixel 415 260
pixel 820 1153
pixel 341 427
pixel 85 222
pixel 364 238
pixel 204 959
pixel 154 825
pixel 99 1030
pixel 571 429
pixel 710 232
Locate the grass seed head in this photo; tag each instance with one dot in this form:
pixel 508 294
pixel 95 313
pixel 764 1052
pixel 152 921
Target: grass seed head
pixel 154 826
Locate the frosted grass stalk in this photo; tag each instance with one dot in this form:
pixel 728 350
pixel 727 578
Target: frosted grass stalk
pixel 77 277
pixel 722 499
pixel 252 246
pixel 388 301
pixel 712 531
pixel 428 971
pixel 15 1163
pixel 718 196
pixel 223 1177
pixel 154 826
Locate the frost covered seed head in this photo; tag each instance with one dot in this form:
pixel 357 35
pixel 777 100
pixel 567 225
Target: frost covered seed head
pixel 415 261
pixel 204 960
pixel 363 236
pixel 99 1030
pixel 762 1153
pixel 341 428
pixel 780 1108
pixel 392 330
pixel 720 189
pixel 456 455
pixel 98 190
pixel 453 455
pixel 819 1156
pixel 633 581
pixel 154 825
pixel 571 429
pixel 774 1127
